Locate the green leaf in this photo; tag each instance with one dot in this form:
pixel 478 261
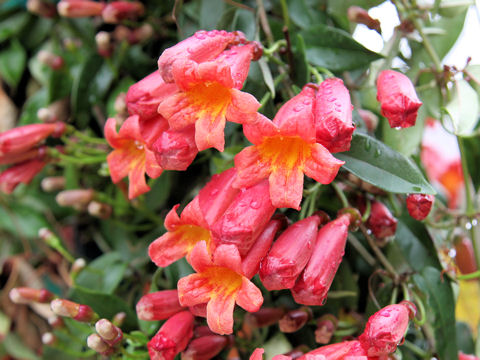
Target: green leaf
pixel 303 15
pixel 13 24
pixel 335 49
pixel 376 163
pixel 17 349
pixel 405 141
pixel 440 307
pixel 464 338
pixel 12 63
pixel 103 274
pixel 267 76
pixel 244 21
pixel 462 110
pixel 105 305
pixel 301 72
pixel 59 84
pixel 31 106
pixel 210 12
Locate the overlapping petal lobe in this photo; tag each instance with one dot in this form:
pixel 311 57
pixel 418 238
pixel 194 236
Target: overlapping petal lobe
pixel 178 111
pixel 176 150
pixel 258 130
pixel 130 129
pixel 250 168
pixel 215 197
pixel 215 71
pixel 168 248
pixel 220 313
pixel 110 132
pixel 152 128
pixel 192 214
pixel 209 131
pixel 136 180
pixel 286 188
pixel 243 107
pixel 202 46
pixel 152 167
pixel 228 256
pixel 295 117
pixel 238 59
pixel 321 165
pixel 249 297
pixel 200 258
pixel 257 354
pixel 193 290
pixel 172 220
pixel 118 161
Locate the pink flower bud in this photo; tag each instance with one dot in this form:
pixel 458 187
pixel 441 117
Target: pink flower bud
pixel 172 338
pixel 52 60
pixel 37 153
pixel 20 173
pixel 23 138
pixel 53 183
pixel 117 11
pixel 386 328
pixel 337 351
pixel 95 342
pixel 333 115
pixel 103 40
pixel 119 318
pixel 108 332
pixel 79 8
pixel 462 356
pixel 360 16
pixel 56 322
pixel 42 8
pixel 313 284
pixel 465 255
pixel 398 99
pixel 289 254
pixel 78 198
pixel 264 317
pixel 26 295
pixel 159 305
pixel 99 210
pixel 369 118
pixel 381 221
pixel 205 347
pixel 79 312
pixel 294 320
pixel 419 205
pixel 326 326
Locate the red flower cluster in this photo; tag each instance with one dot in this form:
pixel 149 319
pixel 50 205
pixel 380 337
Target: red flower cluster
pixel 21 147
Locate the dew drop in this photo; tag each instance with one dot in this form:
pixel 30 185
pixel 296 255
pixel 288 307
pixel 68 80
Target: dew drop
pixel 369 232
pixel 398 128
pixel 138 145
pixel 378 152
pixel 368 145
pixel 417 188
pixel 214 192
pixel 298 108
pixel 254 204
pixel 468 226
pixel 474 222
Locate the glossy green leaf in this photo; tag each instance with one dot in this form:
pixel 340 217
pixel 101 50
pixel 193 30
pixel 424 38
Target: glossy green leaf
pixel 462 110
pixel 210 12
pixel 13 24
pixel 105 305
pixel 12 63
pixel 440 307
pixel 304 15
pixel 376 163
pixel 335 49
pixel 17 349
pixel 301 73
pixel 267 76
pixel 103 274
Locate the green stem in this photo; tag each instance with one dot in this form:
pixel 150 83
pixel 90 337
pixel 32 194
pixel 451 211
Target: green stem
pixel 340 194
pixel 341 294
pixel 361 250
pixel 428 45
pixel 275 47
pixel 416 350
pixel 286 18
pixel 78 161
pixel 315 73
pixel 87 138
pixel 474 275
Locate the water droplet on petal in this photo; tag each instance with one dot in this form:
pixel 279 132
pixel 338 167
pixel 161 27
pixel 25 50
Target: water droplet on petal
pixel 254 204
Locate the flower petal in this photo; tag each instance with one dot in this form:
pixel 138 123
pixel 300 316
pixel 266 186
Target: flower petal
pixel 111 135
pixel 136 178
pixel 249 297
pixel 229 257
pixel 193 290
pixel 177 110
pixel 250 168
pixel 220 314
pixel 262 127
pixel 243 108
pixel 209 131
pixel 200 258
pixel 152 167
pixel 322 166
pixel 118 164
pixel 286 188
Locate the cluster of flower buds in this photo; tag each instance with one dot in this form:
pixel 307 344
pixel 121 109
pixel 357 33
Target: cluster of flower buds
pixel 398 99
pixel 20 147
pixel 105 339
pixel 384 331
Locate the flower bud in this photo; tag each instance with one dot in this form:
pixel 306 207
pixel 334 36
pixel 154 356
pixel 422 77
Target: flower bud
pixel 104 44
pixel 465 255
pixel 78 198
pixel 56 322
pixel 369 118
pixel 79 8
pixel 264 317
pixel 49 339
pixel 359 15
pixel 52 60
pixel 381 221
pixel 99 210
pixel 294 320
pixel 386 328
pixel 340 350
pixel 95 342
pixel 36 153
pixel 313 284
pixel 205 347
pixel 53 183
pixel 25 137
pixel 333 115
pixel 419 205
pixel 26 295
pixel 398 99
pixel 462 356
pixel 117 11
pixel 42 8
pixel 158 305
pixel 79 312
pixel 289 254
pixel 173 337
pixel 23 172
pixel 119 318
pixel 326 326
pixel 108 332
pixel 120 104
pixel 176 150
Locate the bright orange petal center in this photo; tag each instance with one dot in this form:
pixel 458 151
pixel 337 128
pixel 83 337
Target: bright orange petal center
pixel 210 97
pixel 285 152
pixel 223 282
pixel 192 234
